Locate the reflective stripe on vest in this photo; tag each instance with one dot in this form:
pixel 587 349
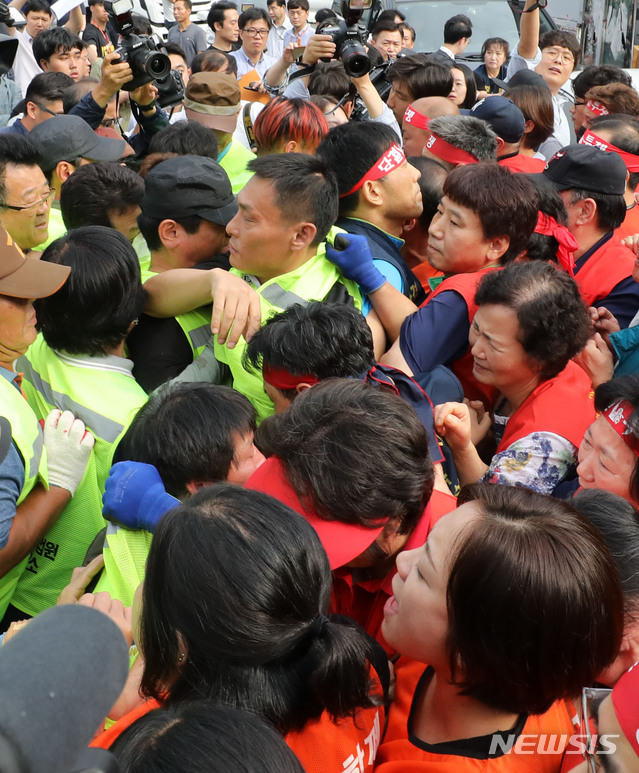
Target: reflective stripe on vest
pixel 27 434
pixel 106 397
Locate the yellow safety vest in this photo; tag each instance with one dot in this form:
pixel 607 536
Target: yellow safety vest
pixel 106 399
pixel 312 281
pixel 26 433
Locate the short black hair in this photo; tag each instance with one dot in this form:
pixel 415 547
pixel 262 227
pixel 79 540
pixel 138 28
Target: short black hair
pixel 47 87
pixel 174 48
pixel 431 184
pixel 203 737
pixel 325 340
pixel 94 309
pixel 547 302
pixel 334 433
pixel 216 12
pixel 53 41
pixel 564 39
pixel 76 91
pixel 186 138
pixel 457 27
pixel 149 227
pixel 422 76
pixel 187 432
pixel 385 26
pixel 281 3
pixel 598 75
pixel 253 14
pixel 611 207
pixel 350 150
pixel 329 79
pixel 623 388
pixel 540 246
pixel 17 150
pixel 37 6
pixel 497 42
pixel 471 85
pixel 489 190
pixel 530 569
pixel 391 14
pixel 95 190
pixel 305 188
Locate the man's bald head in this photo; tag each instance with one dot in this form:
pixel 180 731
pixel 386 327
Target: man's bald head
pixel 413 134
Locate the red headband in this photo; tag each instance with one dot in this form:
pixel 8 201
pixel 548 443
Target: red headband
pixel 618 416
pixel 391 160
pixel 589 138
pixel 597 107
pixel 548 226
pixel 414 118
pixel 447 152
pixel 283 380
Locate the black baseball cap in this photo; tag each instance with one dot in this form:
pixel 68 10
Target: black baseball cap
pixel 69 137
pixel 523 77
pixel 587 168
pixel 189 185
pixel 503 117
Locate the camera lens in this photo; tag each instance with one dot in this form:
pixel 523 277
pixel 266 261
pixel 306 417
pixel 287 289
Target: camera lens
pixel 157 65
pixel 355 59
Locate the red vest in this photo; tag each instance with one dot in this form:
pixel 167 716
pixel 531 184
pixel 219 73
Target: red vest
pixel 398 754
pixel 466 286
pixel 630 225
pixel 563 405
pixel 603 271
pixel 521 163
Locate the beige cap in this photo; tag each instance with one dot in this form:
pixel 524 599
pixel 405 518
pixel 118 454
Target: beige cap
pixel 213 99
pixel 22 277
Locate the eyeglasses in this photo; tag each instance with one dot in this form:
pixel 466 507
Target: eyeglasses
pixel 578 103
pixel 110 123
pixel 254 32
pixel 46 109
pixel 554 53
pixel 591 698
pixel 46 199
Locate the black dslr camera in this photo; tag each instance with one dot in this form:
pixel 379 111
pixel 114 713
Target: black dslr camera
pixel 148 64
pixel 170 89
pixel 349 37
pixel 7 18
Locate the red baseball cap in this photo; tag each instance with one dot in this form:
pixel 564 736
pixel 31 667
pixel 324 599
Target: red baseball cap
pixel 625 701
pixel 342 541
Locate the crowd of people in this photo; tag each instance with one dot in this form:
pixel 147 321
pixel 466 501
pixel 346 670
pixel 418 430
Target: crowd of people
pixel 323 386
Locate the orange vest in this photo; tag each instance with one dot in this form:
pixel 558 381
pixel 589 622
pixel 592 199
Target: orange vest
pixel 630 225
pixel 563 405
pixel 522 163
pixel 398 754
pixel 466 286
pixel 603 271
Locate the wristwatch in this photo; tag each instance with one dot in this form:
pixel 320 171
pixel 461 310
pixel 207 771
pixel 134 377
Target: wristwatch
pixel 538 4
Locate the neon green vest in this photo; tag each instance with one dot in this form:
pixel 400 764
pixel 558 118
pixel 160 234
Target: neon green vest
pixel 125 553
pixel 196 324
pixel 106 399
pixel 311 281
pixel 27 435
pixel 142 251
pixel 234 161
pixel 57 228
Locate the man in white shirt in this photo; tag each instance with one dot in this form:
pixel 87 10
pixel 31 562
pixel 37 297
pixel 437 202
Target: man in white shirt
pixel 38 15
pixel 254 26
pixel 301 30
pixel 281 24
pixel 554 57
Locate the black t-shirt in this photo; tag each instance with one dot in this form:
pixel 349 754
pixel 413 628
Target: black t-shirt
pixel 105 42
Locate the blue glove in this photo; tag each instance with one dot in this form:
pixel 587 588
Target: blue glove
pixel 135 496
pixel 352 255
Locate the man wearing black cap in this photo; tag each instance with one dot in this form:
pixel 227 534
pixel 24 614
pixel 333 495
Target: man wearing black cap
pixel 187 205
pixel 36 482
pixel 592 184
pixel 509 124
pixel 66 142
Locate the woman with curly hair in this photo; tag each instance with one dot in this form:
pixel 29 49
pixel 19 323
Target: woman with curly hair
pixel 530 323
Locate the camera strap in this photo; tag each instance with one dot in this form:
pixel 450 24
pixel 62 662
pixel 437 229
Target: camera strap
pixel 307 69
pixel 248 124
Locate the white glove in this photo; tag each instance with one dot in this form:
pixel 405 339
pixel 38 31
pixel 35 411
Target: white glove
pixel 68 446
